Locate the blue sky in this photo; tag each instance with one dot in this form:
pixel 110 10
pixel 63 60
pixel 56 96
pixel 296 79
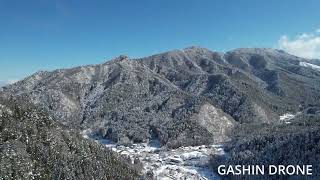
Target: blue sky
pixel 49 34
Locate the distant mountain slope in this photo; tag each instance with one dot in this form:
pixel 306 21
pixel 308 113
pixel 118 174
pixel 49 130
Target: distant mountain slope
pixel 32 146
pixel 182 97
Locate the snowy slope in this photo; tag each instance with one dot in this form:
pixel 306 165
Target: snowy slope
pixel 309 65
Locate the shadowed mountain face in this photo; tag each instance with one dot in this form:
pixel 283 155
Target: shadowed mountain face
pixel 182 97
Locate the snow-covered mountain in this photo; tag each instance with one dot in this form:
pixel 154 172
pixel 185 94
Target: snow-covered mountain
pixel 185 97
pixel 186 102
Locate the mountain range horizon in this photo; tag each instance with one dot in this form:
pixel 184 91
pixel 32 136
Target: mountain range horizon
pixel 243 85
pixel 11 81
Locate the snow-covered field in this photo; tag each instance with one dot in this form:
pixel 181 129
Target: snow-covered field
pixel 183 163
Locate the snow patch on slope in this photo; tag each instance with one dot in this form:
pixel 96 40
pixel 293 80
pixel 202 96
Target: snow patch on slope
pixel 309 65
pixel 287 117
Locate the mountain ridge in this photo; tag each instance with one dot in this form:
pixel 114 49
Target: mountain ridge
pixel 175 96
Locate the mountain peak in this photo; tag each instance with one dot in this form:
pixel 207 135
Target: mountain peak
pixel 121 58
pixel 196 49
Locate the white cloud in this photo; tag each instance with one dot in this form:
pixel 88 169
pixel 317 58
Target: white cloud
pixel 306 45
pixel 2 83
pixel 6 82
pixel 11 81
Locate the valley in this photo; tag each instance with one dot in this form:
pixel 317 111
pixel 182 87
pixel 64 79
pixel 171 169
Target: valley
pixel 190 162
